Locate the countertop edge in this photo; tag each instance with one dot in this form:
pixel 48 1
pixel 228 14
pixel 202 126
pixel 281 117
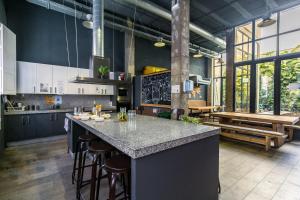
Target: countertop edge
pixel 139 153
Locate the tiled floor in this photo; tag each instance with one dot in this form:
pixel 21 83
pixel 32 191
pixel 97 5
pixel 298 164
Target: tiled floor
pixel 42 171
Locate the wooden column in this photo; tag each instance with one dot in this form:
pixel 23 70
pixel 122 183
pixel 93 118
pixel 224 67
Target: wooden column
pixel 180 62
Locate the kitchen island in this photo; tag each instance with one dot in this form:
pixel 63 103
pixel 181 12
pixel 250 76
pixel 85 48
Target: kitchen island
pixel 169 159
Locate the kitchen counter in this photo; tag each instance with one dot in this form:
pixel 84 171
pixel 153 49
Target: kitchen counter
pixel 29 112
pixel 67 110
pixel 146 135
pixel 169 159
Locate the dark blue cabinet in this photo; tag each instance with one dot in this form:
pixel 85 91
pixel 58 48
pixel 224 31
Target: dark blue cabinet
pixel 24 127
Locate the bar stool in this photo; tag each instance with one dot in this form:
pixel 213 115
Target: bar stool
pixel 118 166
pixel 83 141
pixel 99 151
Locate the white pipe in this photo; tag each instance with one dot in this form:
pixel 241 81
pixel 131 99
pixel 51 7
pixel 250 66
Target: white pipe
pixel 167 15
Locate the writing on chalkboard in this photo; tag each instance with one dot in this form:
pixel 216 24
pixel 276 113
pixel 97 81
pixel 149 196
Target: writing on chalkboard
pixel 156 89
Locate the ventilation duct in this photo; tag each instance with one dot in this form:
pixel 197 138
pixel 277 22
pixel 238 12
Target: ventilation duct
pixel 98 28
pixel 167 15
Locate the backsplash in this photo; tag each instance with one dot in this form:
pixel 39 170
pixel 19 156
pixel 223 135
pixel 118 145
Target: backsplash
pixel 68 101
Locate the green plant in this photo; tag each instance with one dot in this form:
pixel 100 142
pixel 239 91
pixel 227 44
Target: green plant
pixel 192 120
pixel 103 70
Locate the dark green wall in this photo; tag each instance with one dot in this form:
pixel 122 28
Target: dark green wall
pixel 41 36
pixel 2 13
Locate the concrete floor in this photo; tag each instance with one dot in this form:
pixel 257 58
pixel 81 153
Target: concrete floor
pixel 43 171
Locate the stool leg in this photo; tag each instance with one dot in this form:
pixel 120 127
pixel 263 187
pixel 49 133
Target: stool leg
pixel 79 171
pixel 93 178
pixel 99 178
pixel 112 187
pixel 75 162
pixel 124 186
pixel 82 169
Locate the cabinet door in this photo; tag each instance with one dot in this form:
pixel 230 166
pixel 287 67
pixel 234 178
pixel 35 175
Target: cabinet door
pixel 108 90
pixel 59 122
pixel 44 79
pixel 72 73
pixel 59 79
pixel 29 128
pixel 84 72
pixel 73 88
pixel 44 124
pixel 14 126
pixel 9 62
pixel 26 77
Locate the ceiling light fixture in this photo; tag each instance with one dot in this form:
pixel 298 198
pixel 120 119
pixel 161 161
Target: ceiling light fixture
pixel 159 43
pixel 89 22
pixel 198 54
pixel 267 21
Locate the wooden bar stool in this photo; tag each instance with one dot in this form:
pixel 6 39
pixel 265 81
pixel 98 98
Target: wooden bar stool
pixel 118 166
pixel 81 146
pixel 99 151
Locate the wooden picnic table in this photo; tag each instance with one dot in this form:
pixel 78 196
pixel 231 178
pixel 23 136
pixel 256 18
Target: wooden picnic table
pixel 278 122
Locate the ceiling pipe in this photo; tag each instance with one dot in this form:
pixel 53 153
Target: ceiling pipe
pixel 167 15
pixel 51 5
pixel 98 28
pixel 84 16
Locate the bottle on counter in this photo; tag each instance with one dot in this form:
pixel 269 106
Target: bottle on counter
pixel 94 108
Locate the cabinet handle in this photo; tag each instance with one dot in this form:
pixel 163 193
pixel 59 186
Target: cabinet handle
pixel 78 90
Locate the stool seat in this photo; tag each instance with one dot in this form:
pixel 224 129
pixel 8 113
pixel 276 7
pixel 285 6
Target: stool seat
pixel 87 138
pixel 118 164
pixel 99 147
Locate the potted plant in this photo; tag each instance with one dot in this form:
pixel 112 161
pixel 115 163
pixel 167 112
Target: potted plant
pixel 103 70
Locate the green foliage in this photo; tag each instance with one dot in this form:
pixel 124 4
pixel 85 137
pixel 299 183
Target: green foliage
pixel 103 70
pixel 193 120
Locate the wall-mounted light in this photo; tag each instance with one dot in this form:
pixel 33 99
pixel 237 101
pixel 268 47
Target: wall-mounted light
pixel 89 22
pixel 198 54
pixel 159 43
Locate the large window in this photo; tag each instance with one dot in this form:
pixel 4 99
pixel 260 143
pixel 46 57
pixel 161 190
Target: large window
pixel 242 88
pixel 219 80
pixel 290 97
pixel 265 87
pixel 266 48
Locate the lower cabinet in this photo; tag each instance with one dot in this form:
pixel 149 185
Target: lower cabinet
pixel 25 127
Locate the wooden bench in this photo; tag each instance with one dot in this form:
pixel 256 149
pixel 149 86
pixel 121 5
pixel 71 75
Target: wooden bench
pixel 258 136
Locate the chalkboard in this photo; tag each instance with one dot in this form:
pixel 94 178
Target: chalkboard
pixel 157 89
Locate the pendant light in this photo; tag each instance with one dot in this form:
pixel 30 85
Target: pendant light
pixel 89 22
pixel 159 43
pixel 198 54
pixel 267 20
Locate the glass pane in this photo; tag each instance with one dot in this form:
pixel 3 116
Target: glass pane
pixel 289 19
pixel 261 32
pixel 290 97
pixel 289 43
pixel 223 71
pixel 243 33
pixel 265 87
pixel 243 52
pixel 242 88
pixel 217 91
pixel 266 48
pixel 224 91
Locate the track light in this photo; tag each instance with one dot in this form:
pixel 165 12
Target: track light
pixel 198 54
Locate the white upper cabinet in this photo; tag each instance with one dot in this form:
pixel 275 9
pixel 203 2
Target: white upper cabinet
pixel 8 74
pixel 26 77
pixel 59 79
pixel 34 78
pixel 44 79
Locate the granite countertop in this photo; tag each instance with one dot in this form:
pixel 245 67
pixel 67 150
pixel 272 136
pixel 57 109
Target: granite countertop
pixel 66 110
pixel 28 112
pixel 146 135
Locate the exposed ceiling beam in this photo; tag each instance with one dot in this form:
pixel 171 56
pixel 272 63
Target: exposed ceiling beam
pixel 167 15
pixel 204 9
pixel 240 9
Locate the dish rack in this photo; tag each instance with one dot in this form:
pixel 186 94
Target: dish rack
pixel 14 108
